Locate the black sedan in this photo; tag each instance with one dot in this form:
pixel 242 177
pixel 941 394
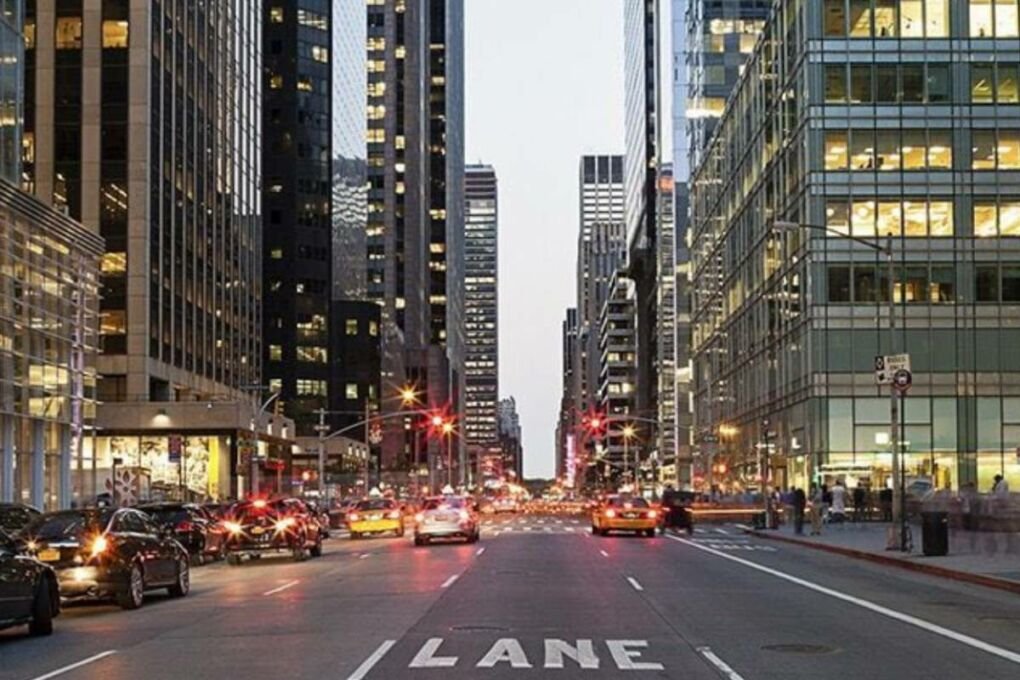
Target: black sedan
pixel 107 553
pixel 28 590
pixel 276 526
pixel 201 535
pixel 15 516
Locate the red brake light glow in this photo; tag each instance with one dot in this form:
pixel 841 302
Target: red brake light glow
pixel 259 503
pixel 354 517
pixel 184 526
pixel 652 514
pixel 395 514
pixel 420 517
pixel 610 513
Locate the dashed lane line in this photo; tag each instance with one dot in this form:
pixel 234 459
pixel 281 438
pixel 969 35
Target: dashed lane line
pixel 450 581
pixel 79 664
pixel 723 667
pixel 280 589
pixel 633 581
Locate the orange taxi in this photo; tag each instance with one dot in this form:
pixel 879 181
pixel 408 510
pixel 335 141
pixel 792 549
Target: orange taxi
pixel 624 513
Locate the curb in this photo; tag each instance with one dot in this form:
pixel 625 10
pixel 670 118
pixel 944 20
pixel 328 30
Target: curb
pixel 931 570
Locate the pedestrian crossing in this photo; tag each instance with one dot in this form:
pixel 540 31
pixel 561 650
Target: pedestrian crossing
pixel 497 526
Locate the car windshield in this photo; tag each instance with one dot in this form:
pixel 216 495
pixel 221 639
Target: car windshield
pixel 14 517
pixel 167 514
pixel 248 511
pixel 67 525
pixel 375 504
pixel 628 502
pixel 444 504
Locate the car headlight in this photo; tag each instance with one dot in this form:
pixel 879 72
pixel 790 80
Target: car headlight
pixel 233 527
pixel 98 546
pixel 284 524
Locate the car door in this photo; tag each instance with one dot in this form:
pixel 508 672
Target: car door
pixel 16 583
pixel 161 546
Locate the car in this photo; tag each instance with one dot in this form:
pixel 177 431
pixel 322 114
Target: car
pixel 506 504
pixel 260 526
pixel 15 516
pixel 375 516
pixel 28 590
pixel 624 513
pixel 200 534
pixel 446 517
pixel 338 515
pixel 105 553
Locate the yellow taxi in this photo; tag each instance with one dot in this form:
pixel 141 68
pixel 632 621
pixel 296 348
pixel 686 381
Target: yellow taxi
pixel 375 516
pixel 624 513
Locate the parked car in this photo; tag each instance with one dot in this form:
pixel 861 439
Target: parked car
pixel 200 534
pixel 261 526
pixel 28 590
pixel 106 553
pixel 447 517
pixel 15 516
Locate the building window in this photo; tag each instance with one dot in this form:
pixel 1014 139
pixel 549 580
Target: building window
pixel 114 263
pixel 275 353
pixel 1010 283
pixel 885 18
pixel 860 18
pixel 275 81
pixel 68 33
pixel 351 391
pixel 373 328
pixel 115 34
pixel 835 150
pixel 276 15
pixel 311 388
pixel 839 284
pixel 835 83
pixel 313 355
pixel 351 327
pixel 113 322
pixel 986 283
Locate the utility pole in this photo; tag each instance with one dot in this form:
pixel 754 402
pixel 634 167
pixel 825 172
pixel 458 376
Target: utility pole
pixel 368 442
pixel 898 511
pixel 322 428
pixel 766 424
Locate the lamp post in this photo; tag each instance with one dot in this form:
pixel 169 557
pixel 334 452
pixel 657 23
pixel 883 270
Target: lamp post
pixel 899 516
pixel 628 432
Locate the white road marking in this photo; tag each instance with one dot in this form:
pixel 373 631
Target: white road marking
pixel 371 661
pixel 79 664
pixel 723 667
pixel 604 553
pixel 722 531
pixel 633 582
pixel 698 530
pixel 450 581
pixel 571 529
pixel 548 529
pixel 479 551
pixel 285 586
pixel 363 555
pixel 527 528
pixel 541 521
pixel 975 643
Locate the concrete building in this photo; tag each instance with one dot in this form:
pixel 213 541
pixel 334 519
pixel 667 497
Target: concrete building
pixel 618 379
pixel 163 161
pixel 481 313
pixel 511 439
pixel 876 143
pixel 570 414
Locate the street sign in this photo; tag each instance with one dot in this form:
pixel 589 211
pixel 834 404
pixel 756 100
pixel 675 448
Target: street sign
pixel 709 438
pixel 886 367
pixel 902 380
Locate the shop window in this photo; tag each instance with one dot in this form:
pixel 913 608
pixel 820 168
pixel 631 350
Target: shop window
pixel 1008 150
pixel 835 83
pixel 983 149
pixel 913 150
pixel 862 150
pixel 986 283
pixel 915 218
pixel 837 217
pixel 835 149
pixel 860 18
pixel 938 84
pixel 912 83
pixel 1006 19
pixel 835 17
pixel 862 218
pixel 1009 218
pixel 839 284
pixel 115 34
pixel 940 149
pixel 912 18
pixel 860 83
pixel 982 84
pixel 942 285
pixel 885 18
pixel 1010 284
pixel 981 23
pixel 985 218
pixel 940 218
pixel 887 150
pixel 68 33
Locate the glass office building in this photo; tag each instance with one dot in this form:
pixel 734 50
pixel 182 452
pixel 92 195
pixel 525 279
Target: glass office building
pixel 867 118
pixel 12 55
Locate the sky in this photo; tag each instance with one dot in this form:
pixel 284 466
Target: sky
pixel 544 86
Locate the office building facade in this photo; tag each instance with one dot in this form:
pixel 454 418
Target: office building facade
pixel 570 413
pixel 904 130
pixel 511 439
pixel 481 311
pixel 618 378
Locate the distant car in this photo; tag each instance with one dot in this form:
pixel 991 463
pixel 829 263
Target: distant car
pixel 28 590
pixel 487 506
pixel 107 553
pixel 200 534
pixel 15 516
pixel 263 526
pixel 506 504
pixel 624 513
pixel 446 517
pixel 375 516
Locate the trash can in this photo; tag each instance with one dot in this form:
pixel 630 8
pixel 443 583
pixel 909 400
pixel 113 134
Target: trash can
pixel 935 533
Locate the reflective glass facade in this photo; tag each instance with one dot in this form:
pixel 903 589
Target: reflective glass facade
pixel 11 74
pixel 869 119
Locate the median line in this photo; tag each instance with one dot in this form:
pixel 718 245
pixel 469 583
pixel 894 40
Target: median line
pixel 721 665
pixel 280 589
pixel 450 581
pixel 369 663
pixel 79 664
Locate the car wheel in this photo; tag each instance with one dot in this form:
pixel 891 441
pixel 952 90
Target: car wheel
pixel 132 596
pixel 316 550
pixel 298 554
pixel 233 559
pixel 650 533
pixel 420 541
pixel 42 610
pixel 594 530
pixel 182 585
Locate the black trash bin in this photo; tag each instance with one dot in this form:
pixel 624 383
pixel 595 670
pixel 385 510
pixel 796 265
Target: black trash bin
pixel 935 533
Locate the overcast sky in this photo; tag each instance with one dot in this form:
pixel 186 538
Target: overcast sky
pixel 544 86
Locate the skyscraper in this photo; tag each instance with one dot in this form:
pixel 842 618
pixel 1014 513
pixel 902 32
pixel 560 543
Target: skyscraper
pixel 570 417
pixel 481 311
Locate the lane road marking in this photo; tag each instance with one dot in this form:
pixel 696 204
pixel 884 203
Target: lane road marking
pixel 723 667
pixel 363 555
pixel 280 589
pixel 975 643
pixel 604 553
pixel 633 582
pixel 369 663
pixel 479 552
pixel 79 664
pixel 450 581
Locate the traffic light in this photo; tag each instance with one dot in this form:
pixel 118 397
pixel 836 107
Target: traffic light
pixel 595 424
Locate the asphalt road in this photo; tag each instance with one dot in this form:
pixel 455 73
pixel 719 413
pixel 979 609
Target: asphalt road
pixel 540 597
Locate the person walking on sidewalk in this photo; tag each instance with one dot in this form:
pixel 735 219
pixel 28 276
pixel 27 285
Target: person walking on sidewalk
pixel 839 502
pixel 858 502
pixel 799 504
pixel 817 508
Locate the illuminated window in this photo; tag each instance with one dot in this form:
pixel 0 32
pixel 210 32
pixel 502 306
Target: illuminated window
pixel 276 254
pixel 1006 90
pixel 1008 150
pixel 275 81
pixel 276 15
pixel 320 54
pixel 912 18
pixel 29 35
pixel 912 147
pixel 373 328
pixel 887 149
pixel 862 218
pixel 890 218
pixel 312 355
pixel 985 218
pixel 114 263
pixel 915 218
pixel 862 150
pixel 311 388
pixel 940 218
pixel 885 18
pixel 860 18
pixel 835 150
pixel 115 34
pixel 351 327
pixel 375 136
pixel 113 322
pixel 68 33
pixel 1006 19
pixel 312 20
pixel 275 353
pixel 351 391
pixel 981 24
pixel 1009 218
pixel 836 217
pixel 940 149
pixel 304 84
pixel 982 84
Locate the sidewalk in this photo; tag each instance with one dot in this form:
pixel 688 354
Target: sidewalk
pixel 985 558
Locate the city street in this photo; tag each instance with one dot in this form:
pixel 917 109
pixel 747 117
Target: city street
pixel 539 596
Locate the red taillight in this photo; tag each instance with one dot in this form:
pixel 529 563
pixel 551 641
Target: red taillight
pixel 420 517
pixel 354 517
pixel 610 513
pixel 184 526
pixel 652 514
pixel 464 516
pixel 394 515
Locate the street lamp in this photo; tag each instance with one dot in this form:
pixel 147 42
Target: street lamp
pixel 899 516
pixel 628 432
pixel 448 433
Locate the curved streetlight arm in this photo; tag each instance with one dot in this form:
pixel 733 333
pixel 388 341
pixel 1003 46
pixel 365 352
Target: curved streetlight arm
pixel 366 421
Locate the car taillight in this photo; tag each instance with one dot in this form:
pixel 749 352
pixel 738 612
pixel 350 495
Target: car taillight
pixel 394 515
pixel 420 517
pixel 354 517
pixel 464 515
pixel 652 514
pixel 184 526
pixel 232 527
pixel 610 514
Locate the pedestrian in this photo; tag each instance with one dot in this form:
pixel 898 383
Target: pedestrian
pixel 885 498
pixel 817 507
pixel 1000 489
pixel 858 502
pixel 839 496
pixel 799 504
